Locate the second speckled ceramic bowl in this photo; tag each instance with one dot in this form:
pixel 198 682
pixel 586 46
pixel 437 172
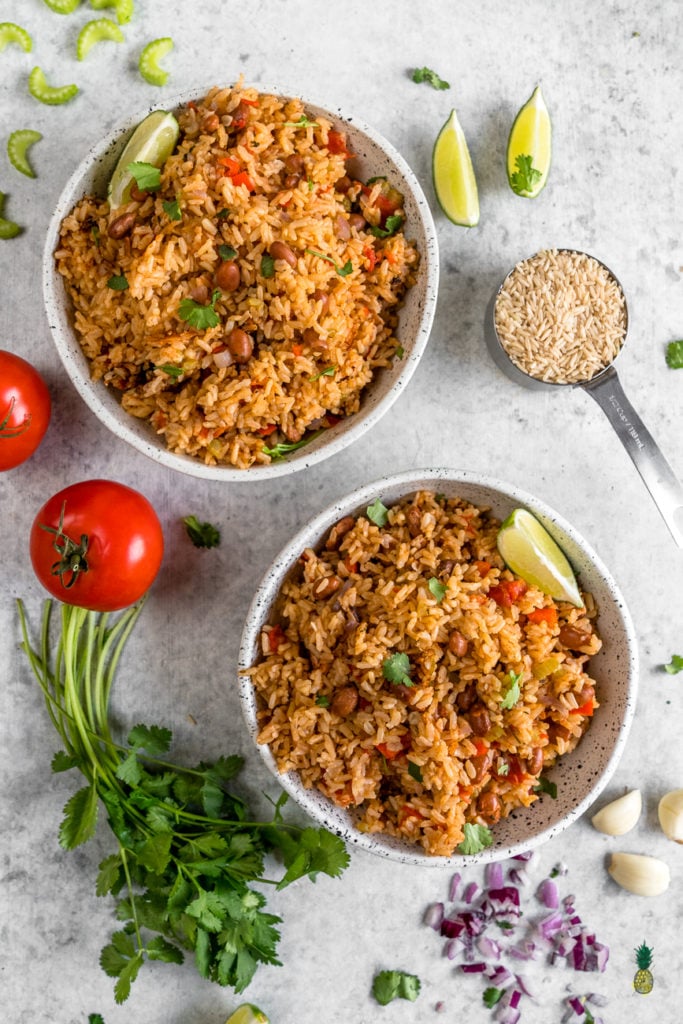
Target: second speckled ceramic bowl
pixel 581 775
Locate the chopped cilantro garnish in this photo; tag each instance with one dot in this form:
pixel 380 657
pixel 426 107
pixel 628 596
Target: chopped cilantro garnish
pixel 675 665
pixel 147 176
pixel 437 589
pixel 674 355
pixel 226 252
pixel 396 669
pixel 431 77
pixel 525 177
pixel 505 926
pixel 329 372
pixel 342 271
pixel 303 122
pixel 414 771
pixel 400 352
pixel 322 700
pixel 477 837
pixel 171 370
pixel 503 768
pixel 95 232
pixel 95 1018
pixel 267 265
pixel 492 996
pixel 279 451
pixel 223 213
pixel 172 209
pixel 118 282
pixel 202 535
pixel 378 513
pixel 198 316
pixel 391 226
pixel 512 694
pixel 389 985
pixel 310 183
pixel 546 786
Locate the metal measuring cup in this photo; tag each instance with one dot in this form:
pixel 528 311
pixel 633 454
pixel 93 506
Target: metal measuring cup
pixel 605 388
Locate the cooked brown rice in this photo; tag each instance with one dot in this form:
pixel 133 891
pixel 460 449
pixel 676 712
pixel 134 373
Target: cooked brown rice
pixel 561 316
pixel 250 174
pixel 419 758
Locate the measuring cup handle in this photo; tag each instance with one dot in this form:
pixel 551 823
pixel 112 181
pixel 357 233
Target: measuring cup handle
pixel 656 472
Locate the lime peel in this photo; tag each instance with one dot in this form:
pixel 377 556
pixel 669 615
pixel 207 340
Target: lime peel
pixel 123 8
pixel 247 1013
pixel 52 95
pixel 148 65
pixel 96 31
pixel 62 6
pixel 529 147
pixel 11 33
pixel 152 142
pixel 529 551
pixel 8 229
pixel 455 183
pixel 17 150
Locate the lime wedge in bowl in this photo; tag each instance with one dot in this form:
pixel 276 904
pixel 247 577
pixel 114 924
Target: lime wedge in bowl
pixel 530 147
pixel 530 551
pixel 247 1013
pixel 152 142
pixel 454 181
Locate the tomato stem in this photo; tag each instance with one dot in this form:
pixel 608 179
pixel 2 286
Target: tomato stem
pixel 21 428
pixel 72 561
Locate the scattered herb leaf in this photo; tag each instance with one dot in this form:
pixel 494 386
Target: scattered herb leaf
pixel 390 985
pixel 674 355
pixel 477 837
pixel 198 316
pixel 438 589
pixel 505 926
pixel 171 370
pixel 396 669
pixel 223 213
pixel 675 665
pixel 118 282
pixel 391 226
pixel 430 77
pixel 267 265
pixel 526 177
pixel 329 372
pixel 303 122
pixel 546 786
pixel 172 209
pixel 322 700
pixel 147 176
pixel 345 270
pixel 202 535
pixel 400 352
pixel 95 1018
pixel 492 996
pixel 503 768
pixel 226 252
pixel 414 771
pixel 378 513
pixel 279 451
pixel 512 694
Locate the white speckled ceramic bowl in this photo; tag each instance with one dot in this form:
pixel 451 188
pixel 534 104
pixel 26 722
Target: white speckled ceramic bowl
pixel 581 775
pixel 374 156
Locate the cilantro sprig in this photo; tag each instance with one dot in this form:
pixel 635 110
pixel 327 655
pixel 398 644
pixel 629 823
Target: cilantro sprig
pixel 198 315
pixel 188 850
pixel 278 451
pixel 546 786
pixel 437 589
pixel 202 535
pixel 476 838
pixel 343 271
pixel 390 985
pixel 513 692
pixel 430 77
pixel 378 513
pixel 147 176
pixel 526 177
pixel 396 669
pixel 675 665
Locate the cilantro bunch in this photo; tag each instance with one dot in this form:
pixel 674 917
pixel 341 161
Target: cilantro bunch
pixel 188 851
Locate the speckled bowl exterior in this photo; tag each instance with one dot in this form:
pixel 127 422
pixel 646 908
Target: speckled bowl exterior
pixel 581 775
pixel 374 156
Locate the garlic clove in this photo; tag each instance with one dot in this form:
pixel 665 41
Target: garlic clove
pixel 619 817
pixel 644 876
pixel 670 811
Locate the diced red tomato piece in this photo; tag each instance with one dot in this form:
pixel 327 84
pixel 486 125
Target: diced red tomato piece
pixel 298 350
pixel 265 431
pixel 548 615
pixel 483 567
pixel 507 592
pixel 336 143
pixel 586 709
pixel 371 256
pixel 243 179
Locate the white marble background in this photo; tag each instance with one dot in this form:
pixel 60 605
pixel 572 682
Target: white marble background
pixel 613 79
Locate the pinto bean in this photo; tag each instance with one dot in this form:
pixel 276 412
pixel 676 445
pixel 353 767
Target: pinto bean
pixel 534 762
pixel 358 221
pixel 489 807
pixel 558 732
pixel 343 184
pixel 210 123
pixel 480 720
pixel 586 693
pixel 322 297
pixel 121 226
pixel 294 164
pixel 341 228
pixel 338 531
pixel 481 764
pixel 457 644
pixel 240 344
pixel 228 276
pixel 414 521
pixel 281 251
pixel 325 587
pixel 345 701
pixel 466 698
pixel 445 567
pixel 574 638
pixel 292 180
pixel 137 193
pixel 199 292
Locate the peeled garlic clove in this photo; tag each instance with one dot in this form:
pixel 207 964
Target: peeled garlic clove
pixel 620 816
pixel 644 876
pixel 670 813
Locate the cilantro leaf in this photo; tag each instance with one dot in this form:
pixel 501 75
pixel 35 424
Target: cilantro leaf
pixel 283 448
pixel 492 996
pixel 155 739
pixel 322 700
pixel 674 355
pixel 147 176
pixel 400 352
pixel 172 209
pixel 267 265
pixel 316 850
pixel 80 818
pixel 378 513
pixel 95 1018
pixel 430 77
pixel 62 762
pixel 109 875
pixel 126 978
pixel 390 985
pixel 118 282
pixel 675 665
pixel 526 177
pixel 303 122
pixel 477 837
pixel 513 692
pixel 226 252
pixel 437 589
pixel 414 771
pixel 171 370
pixel 396 669
pixel 198 316
pixel 202 535
pixel 391 226
pixel 159 948
pixel 329 372
pixel 345 270
pixel 503 768
pixel 546 786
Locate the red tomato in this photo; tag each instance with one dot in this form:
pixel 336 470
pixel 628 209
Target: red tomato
pixel 97 544
pixel 24 410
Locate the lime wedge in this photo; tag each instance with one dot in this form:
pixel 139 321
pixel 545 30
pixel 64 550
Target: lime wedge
pixel 454 181
pixel 530 147
pixel 152 142
pixel 530 551
pixel 247 1014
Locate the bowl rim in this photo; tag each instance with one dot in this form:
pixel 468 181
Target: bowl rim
pixel 337 438
pixel 310 534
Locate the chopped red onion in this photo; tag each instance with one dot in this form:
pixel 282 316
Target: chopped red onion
pixel 515 998
pixel 508 1015
pixel 451 929
pixel 223 358
pixel 440 1006
pixel 453 887
pixel 577 1006
pixel 489 947
pixel 478 968
pixel 527 855
pixel 597 999
pixel 524 985
pixel 548 894
pixel 453 948
pixel 518 877
pixel 494 875
pixel 470 892
pixel 499 975
pixel 434 916
pixel 505 894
